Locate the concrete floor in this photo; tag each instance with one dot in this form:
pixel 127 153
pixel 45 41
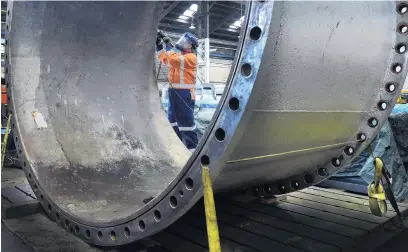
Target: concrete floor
pixel 12 243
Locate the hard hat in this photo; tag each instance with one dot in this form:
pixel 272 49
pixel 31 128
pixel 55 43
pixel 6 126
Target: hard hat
pixel 186 42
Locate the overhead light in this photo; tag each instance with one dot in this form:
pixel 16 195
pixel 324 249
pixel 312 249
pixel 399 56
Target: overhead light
pixel 237 24
pixel 194 7
pixel 183 17
pixel 181 21
pixel 192 27
pixel 188 13
pixel 233 30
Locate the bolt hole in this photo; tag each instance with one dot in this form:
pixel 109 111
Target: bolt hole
pixel 322 172
pixel 308 178
pixel 7 27
pixel 402 28
pixel 13 123
pixel 16 139
pixel 57 216
pixel 349 150
pixel 181 193
pixel 8 13
pixel 25 164
pixel 234 103
pixel 126 232
pixel 142 226
pixel 42 197
pixel 49 207
pixel 76 229
pixel 35 187
pixel 382 105
pixel 220 134
pixel 372 122
pixel 157 215
pixel 281 188
pixel 246 69
pixel 205 160
pixel 390 87
pixel 268 189
pixel 88 234
pixel 20 151
pixel 336 162
pixel 255 33
pixel 113 235
pixel 401 48
pixel 402 8
pixel 294 184
pixel 173 202
pixel 361 137
pixel 189 183
pixel 29 176
pixel 100 235
pixel 396 68
pixel 66 223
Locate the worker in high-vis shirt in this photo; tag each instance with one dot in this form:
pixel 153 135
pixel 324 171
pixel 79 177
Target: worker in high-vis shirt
pixel 182 61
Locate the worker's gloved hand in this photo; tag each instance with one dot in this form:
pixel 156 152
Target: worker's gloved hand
pixel 167 40
pixel 160 34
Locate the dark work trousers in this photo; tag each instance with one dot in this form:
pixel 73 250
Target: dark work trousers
pixel 181 116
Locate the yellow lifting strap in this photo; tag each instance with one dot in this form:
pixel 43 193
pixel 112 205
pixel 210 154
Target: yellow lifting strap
pixel 379 188
pixel 376 192
pixel 4 144
pixel 210 214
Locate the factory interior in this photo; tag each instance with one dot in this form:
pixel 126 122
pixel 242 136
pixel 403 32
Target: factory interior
pixel 205 126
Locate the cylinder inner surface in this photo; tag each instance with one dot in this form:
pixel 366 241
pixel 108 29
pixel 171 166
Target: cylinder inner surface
pixel 107 148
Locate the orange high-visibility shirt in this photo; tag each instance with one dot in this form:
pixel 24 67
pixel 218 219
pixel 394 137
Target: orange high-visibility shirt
pixel 182 68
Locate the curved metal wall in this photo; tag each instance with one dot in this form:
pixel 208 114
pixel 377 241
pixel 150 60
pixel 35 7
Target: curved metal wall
pixel 311 85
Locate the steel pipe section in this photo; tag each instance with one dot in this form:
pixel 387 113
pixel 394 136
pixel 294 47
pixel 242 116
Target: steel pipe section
pixel 311 85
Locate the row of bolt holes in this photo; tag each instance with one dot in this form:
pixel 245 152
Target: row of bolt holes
pixel 205 160
pixel 372 122
pixel 189 183
pixel 381 105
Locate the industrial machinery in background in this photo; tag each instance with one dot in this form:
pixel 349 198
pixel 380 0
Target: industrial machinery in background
pixel 310 87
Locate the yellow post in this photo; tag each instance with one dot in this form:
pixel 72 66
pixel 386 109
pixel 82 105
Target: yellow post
pixel 210 214
pixel 4 144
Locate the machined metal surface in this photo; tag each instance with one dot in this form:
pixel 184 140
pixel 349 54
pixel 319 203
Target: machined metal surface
pixel 310 87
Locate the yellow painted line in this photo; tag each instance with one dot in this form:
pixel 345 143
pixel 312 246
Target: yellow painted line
pixel 286 153
pixel 210 214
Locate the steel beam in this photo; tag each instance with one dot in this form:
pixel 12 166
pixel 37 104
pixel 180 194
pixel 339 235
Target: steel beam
pixel 170 8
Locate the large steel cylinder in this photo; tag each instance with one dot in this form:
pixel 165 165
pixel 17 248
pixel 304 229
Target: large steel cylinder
pixel 311 85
